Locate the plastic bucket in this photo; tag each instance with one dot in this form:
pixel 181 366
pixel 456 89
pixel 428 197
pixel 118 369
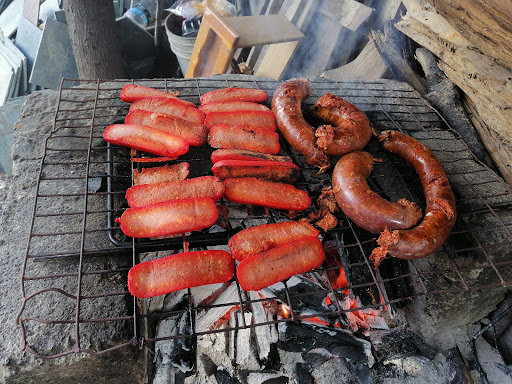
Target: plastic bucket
pixel 181 46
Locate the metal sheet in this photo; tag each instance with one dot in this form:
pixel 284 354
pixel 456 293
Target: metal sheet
pixel 55 58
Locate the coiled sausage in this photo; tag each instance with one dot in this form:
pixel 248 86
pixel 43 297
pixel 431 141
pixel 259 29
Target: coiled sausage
pixel 287 108
pixel 440 213
pixel 364 206
pixel 350 129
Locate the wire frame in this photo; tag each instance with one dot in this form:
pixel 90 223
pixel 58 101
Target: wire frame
pixel 77 258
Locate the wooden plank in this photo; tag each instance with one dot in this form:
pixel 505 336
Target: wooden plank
pixel 486 24
pixel 31 11
pixel 368 65
pixel 214 47
pixel 385 10
pixel 349 13
pixel 315 50
pixel 484 74
pixel 250 55
pixel 491 124
pixel 276 60
pixel 263 30
pixel 481 78
pixel 274 7
pixel 258 7
pixel 218 38
pixel 263 59
pixel 7 75
pixel 307 8
pixel 413 6
pixel 264 7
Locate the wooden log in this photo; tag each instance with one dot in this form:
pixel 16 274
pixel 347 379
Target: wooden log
pixel 486 24
pixel 446 97
pixel 479 115
pixel 479 71
pixel 491 122
pixel 483 80
pixel 400 67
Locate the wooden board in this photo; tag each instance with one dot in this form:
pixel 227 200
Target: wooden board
pixel 385 10
pixel 273 60
pixel 368 65
pixel 219 38
pixel 349 13
pixel 483 80
pixel 214 47
pixel 483 73
pixel 10 18
pixel 276 60
pixel 263 30
pixel 413 6
pixel 486 24
pixel 314 51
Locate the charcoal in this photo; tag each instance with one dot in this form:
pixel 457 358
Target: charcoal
pixel 411 369
pixel 176 357
pixel 492 362
pixel 273 362
pixel 400 343
pixel 317 357
pixel 223 376
pixel 454 357
pixel 499 332
pixel 96 183
pixel 334 371
pixel 304 337
pixel 265 377
pixel 277 380
pixel 208 365
pixel 303 303
pixel 303 376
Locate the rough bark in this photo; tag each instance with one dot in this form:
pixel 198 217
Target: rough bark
pixel 444 95
pixel 486 24
pixel 94 39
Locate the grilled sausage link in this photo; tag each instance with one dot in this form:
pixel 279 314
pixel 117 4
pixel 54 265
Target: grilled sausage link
pixel 364 206
pixel 287 108
pixel 440 214
pixel 350 129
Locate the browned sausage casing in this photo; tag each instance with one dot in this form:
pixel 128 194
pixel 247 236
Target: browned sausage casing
pixel 362 205
pixel 440 214
pixel 350 129
pixel 287 108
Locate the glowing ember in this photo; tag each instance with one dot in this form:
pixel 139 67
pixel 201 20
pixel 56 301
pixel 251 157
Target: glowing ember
pixel 285 311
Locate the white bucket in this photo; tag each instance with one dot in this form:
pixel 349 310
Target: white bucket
pixel 181 46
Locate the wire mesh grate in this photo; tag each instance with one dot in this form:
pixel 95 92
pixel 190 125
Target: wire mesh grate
pixel 78 259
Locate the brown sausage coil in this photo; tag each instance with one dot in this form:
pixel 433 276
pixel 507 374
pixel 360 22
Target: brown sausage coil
pixel 287 108
pixel 350 129
pixel 364 206
pixel 440 214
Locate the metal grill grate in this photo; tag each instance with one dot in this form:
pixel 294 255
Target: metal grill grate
pixel 77 258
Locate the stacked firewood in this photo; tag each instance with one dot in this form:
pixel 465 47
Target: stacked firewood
pixel 471 40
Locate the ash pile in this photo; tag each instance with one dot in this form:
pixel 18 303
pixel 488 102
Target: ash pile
pixel 268 341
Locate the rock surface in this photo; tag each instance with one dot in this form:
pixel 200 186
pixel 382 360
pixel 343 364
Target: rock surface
pixel 17 366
